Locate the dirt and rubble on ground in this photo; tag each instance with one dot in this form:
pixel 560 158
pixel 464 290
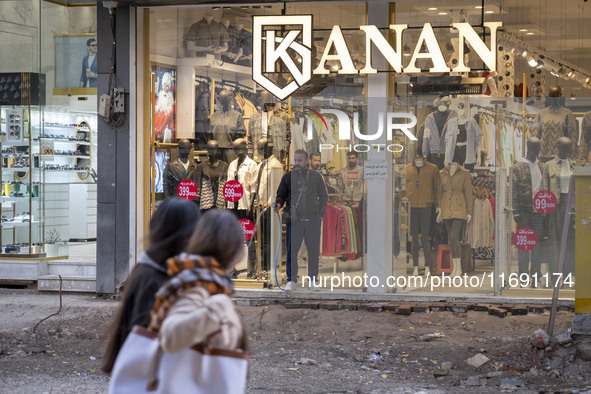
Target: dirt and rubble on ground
pixel 309 350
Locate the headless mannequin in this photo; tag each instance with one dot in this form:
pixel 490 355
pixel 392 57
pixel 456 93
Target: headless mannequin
pixel 556 121
pixel 453 227
pixel 434 132
pixel 212 28
pixel 180 169
pixel 227 125
pixel 212 176
pixel 561 168
pixel 268 179
pixel 420 222
pixel 525 185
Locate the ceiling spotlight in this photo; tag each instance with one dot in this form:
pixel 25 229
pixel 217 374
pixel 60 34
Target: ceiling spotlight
pixel 570 74
pixel 529 34
pixel 540 65
pixel 433 9
pixel 524 53
pixel 587 80
pixel 522 29
pixel 532 62
pixel 442 13
pixel 489 12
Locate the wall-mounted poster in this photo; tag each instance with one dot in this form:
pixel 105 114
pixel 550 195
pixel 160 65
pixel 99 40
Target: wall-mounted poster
pixel 76 64
pixel 165 105
pixel 161 159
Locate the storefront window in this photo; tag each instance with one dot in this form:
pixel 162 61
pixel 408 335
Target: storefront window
pixel 225 130
pixel 48 83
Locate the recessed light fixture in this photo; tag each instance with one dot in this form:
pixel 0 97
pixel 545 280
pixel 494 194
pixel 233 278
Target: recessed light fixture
pixel 524 53
pixel 489 12
pixel 587 80
pixel 522 29
pixel 433 9
pixel 532 62
pixel 442 13
pixel 529 34
pixel 478 7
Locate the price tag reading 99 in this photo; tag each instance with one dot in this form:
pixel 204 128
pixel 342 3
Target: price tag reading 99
pixel 525 239
pixel 248 228
pixel 233 191
pixel 545 201
pixel 187 189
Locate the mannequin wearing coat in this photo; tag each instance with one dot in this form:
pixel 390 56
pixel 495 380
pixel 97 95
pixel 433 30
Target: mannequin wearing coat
pixel 455 207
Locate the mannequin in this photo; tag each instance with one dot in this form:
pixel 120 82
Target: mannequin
pixel 269 176
pixel 557 174
pixel 180 169
pixel 455 207
pixel 435 129
pixel 244 170
pixel 211 176
pixel 553 122
pixel 585 147
pixel 527 181
pixel 462 139
pixel 206 37
pixel 226 125
pixel 422 187
pixel 267 123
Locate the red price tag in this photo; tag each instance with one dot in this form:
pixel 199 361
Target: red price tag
pixel 248 228
pixel 187 189
pixel 525 239
pixel 545 201
pixel 233 191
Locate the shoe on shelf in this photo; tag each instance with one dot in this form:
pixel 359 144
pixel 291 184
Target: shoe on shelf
pixel 290 286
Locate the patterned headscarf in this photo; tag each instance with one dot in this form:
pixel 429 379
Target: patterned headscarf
pixel 189 270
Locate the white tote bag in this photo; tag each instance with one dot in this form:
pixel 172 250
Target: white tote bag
pixel 142 367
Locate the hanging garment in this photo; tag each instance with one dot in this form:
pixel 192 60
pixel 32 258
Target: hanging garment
pixel 352 183
pixel 482 224
pixel 269 172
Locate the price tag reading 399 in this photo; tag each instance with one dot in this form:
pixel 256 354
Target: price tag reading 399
pixel 233 191
pixel 187 189
pixel 525 239
pixel 545 201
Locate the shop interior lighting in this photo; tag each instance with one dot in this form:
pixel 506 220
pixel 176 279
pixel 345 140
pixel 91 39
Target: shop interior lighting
pixel 524 53
pixel 478 7
pixel 588 80
pixel 523 30
pixel 433 9
pixel 529 34
pixel 532 62
pixel 489 12
pixel 442 13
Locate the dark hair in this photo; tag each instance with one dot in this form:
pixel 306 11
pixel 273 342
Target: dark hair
pixel 171 227
pixel 301 152
pixel 218 235
pixel 354 153
pixel 89 41
pixel 314 154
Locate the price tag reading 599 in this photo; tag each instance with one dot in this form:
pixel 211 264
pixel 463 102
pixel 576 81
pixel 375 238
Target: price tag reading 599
pixel 233 191
pixel 187 189
pixel 525 239
pixel 545 201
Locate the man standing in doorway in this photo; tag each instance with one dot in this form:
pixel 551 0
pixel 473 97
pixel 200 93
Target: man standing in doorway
pixel 303 192
pixel 89 70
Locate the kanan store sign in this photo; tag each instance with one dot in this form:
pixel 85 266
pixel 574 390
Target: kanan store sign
pixel 288 39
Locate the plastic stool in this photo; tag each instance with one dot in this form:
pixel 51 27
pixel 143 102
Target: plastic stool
pixel 444 263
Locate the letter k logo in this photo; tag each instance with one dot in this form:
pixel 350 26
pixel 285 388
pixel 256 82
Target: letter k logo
pixel 293 50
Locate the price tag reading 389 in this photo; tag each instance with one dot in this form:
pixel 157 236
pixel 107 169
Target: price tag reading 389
pixel 545 201
pixel 233 191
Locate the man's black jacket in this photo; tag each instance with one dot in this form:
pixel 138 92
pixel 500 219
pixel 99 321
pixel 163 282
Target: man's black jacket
pixel 313 193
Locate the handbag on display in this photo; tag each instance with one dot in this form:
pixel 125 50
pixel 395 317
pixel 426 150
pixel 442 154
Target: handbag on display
pixel 143 367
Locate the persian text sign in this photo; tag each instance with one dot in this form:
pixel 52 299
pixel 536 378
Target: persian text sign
pixel 187 189
pixel 545 201
pixel 233 191
pixel 525 239
pixel 248 228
